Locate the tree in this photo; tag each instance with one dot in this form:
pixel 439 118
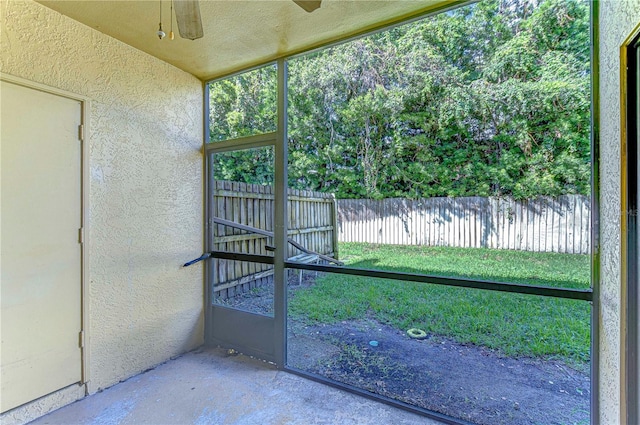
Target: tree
pixel 488 99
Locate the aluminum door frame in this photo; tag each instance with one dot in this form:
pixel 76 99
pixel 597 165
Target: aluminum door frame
pixel 630 228
pixel 250 333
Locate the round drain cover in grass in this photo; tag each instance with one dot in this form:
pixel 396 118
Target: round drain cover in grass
pixel 416 333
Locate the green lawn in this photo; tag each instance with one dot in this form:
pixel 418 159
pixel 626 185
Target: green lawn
pixel 516 325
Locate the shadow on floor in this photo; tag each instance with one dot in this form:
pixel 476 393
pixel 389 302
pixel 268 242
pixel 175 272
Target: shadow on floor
pixel 208 387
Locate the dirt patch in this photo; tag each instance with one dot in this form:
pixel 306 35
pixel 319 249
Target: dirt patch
pixel 463 381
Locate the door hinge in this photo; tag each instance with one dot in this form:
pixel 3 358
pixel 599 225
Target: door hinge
pixel 81 339
pixel 81 235
pixel 81 132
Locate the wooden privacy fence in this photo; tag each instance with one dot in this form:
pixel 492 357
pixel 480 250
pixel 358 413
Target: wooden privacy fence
pixel 543 224
pixel 312 224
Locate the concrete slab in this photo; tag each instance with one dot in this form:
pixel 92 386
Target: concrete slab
pixel 209 387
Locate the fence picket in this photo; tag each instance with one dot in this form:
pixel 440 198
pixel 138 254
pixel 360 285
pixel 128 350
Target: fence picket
pixel 312 222
pixel 541 224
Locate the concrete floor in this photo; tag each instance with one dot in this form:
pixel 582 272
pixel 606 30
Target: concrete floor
pixel 208 387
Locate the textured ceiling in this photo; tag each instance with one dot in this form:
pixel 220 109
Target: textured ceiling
pixel 239 34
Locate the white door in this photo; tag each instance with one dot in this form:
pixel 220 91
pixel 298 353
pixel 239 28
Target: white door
pixel 40 254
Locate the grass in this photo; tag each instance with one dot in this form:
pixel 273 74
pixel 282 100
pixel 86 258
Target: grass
pixel 514 324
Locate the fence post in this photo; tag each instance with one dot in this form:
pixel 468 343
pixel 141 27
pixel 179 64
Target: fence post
pixel 334 219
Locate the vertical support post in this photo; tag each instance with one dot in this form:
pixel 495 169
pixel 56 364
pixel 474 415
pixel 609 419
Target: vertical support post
pixel 630 294
pixel 635 256
pixel 280 223
pixel 334 222
pixel 208 245
pixel 595 212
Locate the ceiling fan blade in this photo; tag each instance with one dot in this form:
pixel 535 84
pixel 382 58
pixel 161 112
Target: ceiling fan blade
pixel 188 18
pixel 308 5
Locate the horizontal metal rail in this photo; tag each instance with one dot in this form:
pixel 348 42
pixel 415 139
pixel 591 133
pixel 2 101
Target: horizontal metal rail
pixel 574 294
pixel 545 291
pixel 250 142
pixel 254 258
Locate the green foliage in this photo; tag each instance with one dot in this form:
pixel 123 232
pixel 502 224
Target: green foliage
pixel 491 99
pixel 252 166
pixel 516 325
pixel 243 105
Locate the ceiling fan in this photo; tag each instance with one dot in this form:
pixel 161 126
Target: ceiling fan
pixel 308 5
pixel 188 18
pixel 190 22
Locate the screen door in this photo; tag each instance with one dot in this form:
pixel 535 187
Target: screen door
pixel 241 288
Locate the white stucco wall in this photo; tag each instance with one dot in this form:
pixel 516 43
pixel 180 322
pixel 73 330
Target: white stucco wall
pixel 617 19
pixel 145 214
